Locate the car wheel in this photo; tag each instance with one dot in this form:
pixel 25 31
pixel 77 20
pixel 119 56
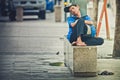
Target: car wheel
pixel 12 16
pixel 52 10
pixel 42 14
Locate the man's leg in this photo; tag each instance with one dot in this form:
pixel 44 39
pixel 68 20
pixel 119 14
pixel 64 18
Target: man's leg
pixel 93 41
pixel 78 30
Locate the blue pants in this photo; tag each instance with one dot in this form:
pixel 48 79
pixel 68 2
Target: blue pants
pixel 80 30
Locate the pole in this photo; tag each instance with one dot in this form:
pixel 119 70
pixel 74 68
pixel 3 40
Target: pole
pixel 104 10
pixel 65 4
pixel 101 16
pixel 107 26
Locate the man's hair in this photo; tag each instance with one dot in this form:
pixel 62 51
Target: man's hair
pixel 66 9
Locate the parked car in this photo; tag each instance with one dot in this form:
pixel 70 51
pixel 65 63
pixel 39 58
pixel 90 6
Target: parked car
pixel 50 5
pixel 30 7
pixel 3 7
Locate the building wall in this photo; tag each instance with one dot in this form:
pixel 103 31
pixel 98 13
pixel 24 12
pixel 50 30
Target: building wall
pixel 113 6
pixel 82 4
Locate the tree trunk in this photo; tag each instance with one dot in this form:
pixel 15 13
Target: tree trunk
pixel 116 51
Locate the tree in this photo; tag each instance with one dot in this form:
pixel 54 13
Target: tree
pixel 116 51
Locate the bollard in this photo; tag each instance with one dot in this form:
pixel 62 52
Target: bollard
pixel 19 13
pixel 58 14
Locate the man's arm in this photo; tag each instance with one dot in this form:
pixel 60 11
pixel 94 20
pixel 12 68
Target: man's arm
pixel 74 23
pixel 88 22
pixel 85 21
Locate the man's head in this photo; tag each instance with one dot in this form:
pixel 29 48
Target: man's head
pixel 73 9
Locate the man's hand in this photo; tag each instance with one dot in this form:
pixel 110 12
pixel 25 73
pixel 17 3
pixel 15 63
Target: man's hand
pixel 88 22
pixel 73 24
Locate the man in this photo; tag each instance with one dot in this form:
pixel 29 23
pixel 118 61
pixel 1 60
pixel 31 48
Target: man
pixel 77 34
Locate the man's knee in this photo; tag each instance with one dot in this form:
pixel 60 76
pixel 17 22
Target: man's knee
pixel 100 41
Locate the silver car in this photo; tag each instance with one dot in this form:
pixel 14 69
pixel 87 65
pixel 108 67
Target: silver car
pixel 32 7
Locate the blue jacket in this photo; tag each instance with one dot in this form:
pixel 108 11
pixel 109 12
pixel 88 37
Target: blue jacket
pixel 72 19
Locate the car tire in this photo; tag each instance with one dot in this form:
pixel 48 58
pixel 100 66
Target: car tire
pixel 52 10
pixel 42 14
pixel 12 16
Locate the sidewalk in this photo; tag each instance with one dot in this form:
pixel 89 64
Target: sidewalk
pixel 35 65
pixel 34 38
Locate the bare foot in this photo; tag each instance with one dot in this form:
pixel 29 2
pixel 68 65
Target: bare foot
pixel 74 43
pixel 80 44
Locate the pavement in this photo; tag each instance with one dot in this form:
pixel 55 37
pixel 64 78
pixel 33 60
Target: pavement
pixel 27 49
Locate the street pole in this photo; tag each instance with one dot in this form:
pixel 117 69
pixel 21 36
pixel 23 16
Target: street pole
pixel 104 10
pixel 65 4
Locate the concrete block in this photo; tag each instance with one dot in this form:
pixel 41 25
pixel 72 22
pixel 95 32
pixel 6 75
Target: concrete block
pixel 81 60
pixel 58 13
pixel 19 13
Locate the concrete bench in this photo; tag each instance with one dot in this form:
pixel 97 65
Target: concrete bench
pixel 81 60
